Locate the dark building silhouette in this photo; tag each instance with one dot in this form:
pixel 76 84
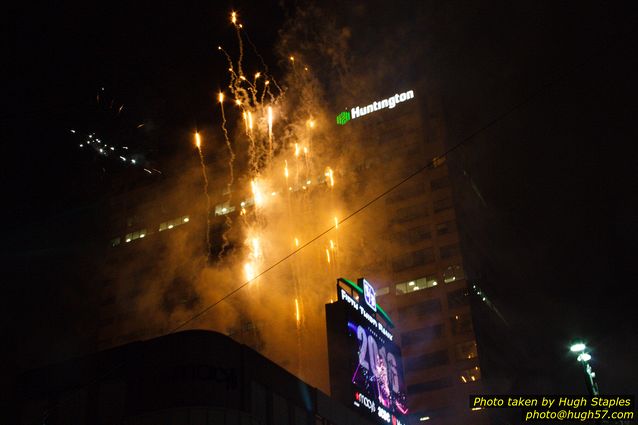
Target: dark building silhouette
pixel 186 378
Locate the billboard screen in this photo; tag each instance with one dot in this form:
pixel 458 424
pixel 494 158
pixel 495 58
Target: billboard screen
pixel 370 368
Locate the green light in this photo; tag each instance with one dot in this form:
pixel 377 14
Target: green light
pixel 584 357
pixel 343 118
pixel 577 347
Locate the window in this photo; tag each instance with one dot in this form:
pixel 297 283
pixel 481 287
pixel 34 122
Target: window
pixel 436 384
pixel 458 298
pixel 460 324
pixel 416 285
pixel 439 183
pixel 423 309
pixel 427 361
pixel 223 209
pixel 422 336
pixel 448 251
pixel 414 235
pixel 135 235
pixel 465 350
pixel 445 227
pixel 442 204
pixel 168 225
pixel 453 273
pixel 383 291
pixel 403 194
pixel 470 375
pixel 410 213
pixel 115 242
pixel 413 259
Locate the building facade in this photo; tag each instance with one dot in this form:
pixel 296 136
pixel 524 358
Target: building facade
pixel 418 268
pixel 421 282
pixel 186 378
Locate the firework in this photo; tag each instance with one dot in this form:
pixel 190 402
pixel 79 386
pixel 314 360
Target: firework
pixel 198 144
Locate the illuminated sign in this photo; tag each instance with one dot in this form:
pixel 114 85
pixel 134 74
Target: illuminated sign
pixel 360 111
pixel 370 360
pixel 370 295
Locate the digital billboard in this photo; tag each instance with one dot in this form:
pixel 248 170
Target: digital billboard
pixel 366 368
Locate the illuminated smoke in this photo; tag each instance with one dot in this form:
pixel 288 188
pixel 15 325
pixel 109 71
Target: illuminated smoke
pixel 291 177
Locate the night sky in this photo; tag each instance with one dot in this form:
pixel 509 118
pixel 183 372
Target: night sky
pixel 556 83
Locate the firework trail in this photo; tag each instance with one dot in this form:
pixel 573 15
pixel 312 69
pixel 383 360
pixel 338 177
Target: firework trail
pixel 231 177
pixel 288 188
pixel 198 143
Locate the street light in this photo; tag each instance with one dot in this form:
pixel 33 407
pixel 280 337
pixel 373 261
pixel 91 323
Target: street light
pixel 583 358
pixel 578 347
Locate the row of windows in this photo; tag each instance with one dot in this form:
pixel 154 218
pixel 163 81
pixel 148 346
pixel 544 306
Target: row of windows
pixel 450 274
pixel 167 225
pixel 421 233
pixel 404 193
pixel 413 259
pixel 140 234
pixel 463 351
pixel 409 213
pixel 135 235
pixel 226 208
pixel 459 325
pixel 423 256
pixel 465 377
pixel 416 285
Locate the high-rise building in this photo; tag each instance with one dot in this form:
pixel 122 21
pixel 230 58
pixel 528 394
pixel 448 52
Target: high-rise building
pixel 421 282
pixel 417 267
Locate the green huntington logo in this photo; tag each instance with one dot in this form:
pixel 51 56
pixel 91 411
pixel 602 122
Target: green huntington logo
pixel 359 111
pixel 343 118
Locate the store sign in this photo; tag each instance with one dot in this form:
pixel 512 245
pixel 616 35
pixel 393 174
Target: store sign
pixel 359 111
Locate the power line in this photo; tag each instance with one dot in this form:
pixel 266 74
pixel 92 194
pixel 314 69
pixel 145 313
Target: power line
pixel 430 164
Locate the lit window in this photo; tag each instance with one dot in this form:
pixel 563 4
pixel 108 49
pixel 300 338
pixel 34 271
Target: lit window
pixel 470 375
pixel 416 285
pixel 115 241
pixel 167 225
pixel 466 350
pixel 135 235
pixel 223 209
pixel 453 273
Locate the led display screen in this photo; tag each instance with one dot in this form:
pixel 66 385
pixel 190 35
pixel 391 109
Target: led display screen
pixel 372 361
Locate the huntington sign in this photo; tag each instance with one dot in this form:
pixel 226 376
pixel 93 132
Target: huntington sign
pixel 359 111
